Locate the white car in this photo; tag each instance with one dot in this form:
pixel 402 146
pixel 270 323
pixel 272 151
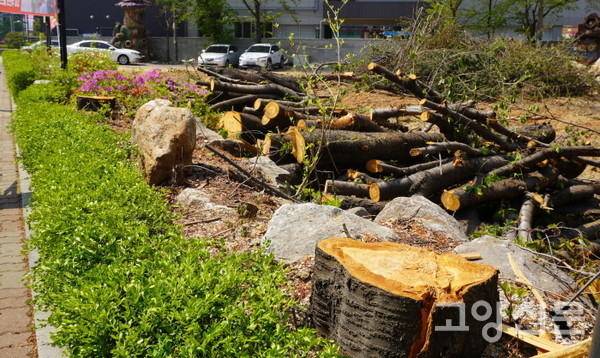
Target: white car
pixel 219 55
pixel 262 55
pixel 121 55
pixel 40 44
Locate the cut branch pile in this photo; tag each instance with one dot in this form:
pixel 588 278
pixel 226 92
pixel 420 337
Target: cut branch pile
pixel 462 157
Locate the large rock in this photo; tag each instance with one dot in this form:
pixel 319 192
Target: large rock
pixel 165 136
pixel 426 212
pixel 191 197
pixel 494 252
pixel 296 229
pixel 269 170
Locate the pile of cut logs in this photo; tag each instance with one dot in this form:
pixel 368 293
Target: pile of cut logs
pixel 386 299
pixel 462 157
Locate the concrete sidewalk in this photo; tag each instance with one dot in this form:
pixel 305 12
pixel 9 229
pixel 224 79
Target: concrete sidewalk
pixel 17 337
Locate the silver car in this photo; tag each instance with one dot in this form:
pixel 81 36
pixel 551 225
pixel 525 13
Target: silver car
pixel 219 55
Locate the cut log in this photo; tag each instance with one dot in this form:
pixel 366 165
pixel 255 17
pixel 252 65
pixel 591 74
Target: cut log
pixel 254 89
pixel 507 188
pixel 447 146
pixel 350 147
pixel 276 115
pixel 378 166
pixel 236 102
pixel 260 104
pixel 372 207
pixel 572 194
pixel 380 115
pixel 390 300
pixel 346 188
pixel 445 126
pixel 354 121
pixel 537 159
pixel 243 126
pixel 355 175
pixel 409 83
pixel 427 182
pixel 477 128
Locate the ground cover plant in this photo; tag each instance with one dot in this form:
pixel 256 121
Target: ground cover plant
pixel 115 271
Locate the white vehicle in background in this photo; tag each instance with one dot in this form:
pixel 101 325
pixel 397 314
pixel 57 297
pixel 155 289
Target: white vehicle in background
pixel 121 55
pixel 219 55
pixel 40 44
pixel 262 55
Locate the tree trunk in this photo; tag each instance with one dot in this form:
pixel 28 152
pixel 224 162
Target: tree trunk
pixel 384 299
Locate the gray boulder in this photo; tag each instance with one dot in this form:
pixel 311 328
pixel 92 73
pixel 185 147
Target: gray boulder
pixel 166 138
pixel 296 229
pixel 268 169
pixel 426 212
pixel 494 252
pixel 190 197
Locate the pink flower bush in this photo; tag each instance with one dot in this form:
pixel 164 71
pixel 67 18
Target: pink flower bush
pixel 133 90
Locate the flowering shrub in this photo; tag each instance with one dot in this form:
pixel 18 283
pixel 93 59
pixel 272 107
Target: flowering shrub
pixel 132 90
pixel 90 61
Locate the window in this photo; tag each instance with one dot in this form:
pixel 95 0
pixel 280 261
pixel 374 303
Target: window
pixel 246 29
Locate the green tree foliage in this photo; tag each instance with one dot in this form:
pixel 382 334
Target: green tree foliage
pixel 214 18
pixel 14 40
pixel 530 15
pixel 486 16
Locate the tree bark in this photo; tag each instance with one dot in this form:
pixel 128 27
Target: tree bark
pixel 356 148
pixel 384 299
pixel 346 188
pixel 378 166
pixel 432 180
pixel 272 89
pixel 349 202
pixel 237 102
pixel 379 115
pixel 507 188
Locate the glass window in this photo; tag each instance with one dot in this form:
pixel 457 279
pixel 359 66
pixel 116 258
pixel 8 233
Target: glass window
pixel 217 49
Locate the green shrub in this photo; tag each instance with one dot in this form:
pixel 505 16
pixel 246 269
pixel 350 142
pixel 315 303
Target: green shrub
pixel 117 275
pixel 14 40
pixel 19 70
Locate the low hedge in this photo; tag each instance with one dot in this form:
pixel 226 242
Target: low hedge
pixel 117 275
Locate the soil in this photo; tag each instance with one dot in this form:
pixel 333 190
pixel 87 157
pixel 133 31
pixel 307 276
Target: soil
pixel 242 232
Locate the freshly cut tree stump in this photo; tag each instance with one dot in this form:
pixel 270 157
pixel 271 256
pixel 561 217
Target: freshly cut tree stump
pixel 385 299
pixel 95 103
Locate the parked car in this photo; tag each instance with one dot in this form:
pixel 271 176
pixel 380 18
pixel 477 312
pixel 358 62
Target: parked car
pixel 121 55
pixel 262 55
pixel 40 44
pixel 219 55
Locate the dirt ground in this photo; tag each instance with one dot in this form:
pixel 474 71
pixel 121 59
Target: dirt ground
pixel 244 233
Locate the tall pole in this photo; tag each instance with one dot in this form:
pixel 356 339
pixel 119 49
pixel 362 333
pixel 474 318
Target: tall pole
pixel 62 34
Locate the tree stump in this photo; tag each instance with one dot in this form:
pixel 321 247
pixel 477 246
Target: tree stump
pixel 390 300
pixel 95 103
